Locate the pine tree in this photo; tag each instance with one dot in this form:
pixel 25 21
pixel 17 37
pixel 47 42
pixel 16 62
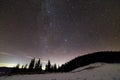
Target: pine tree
pixel 54 67
pixel 38 66
pixel 16 69
pixel 22 67
pixel 25 67
pixel 17 66
pixel 31 65
pixel 48 66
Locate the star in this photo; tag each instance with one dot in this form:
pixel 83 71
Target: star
pixel 66 40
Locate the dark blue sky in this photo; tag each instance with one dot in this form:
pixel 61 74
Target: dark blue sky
pixel 58 30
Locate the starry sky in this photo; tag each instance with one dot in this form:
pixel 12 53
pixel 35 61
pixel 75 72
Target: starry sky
pixel 58 30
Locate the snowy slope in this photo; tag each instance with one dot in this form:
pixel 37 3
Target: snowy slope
pixel 90 72
pixel 89 67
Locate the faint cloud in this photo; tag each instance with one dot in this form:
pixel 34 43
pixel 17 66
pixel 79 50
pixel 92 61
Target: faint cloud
pixel 7 54
pixel 29 57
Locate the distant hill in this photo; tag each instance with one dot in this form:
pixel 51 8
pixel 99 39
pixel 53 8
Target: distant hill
pixel 5 70
pixel 105 56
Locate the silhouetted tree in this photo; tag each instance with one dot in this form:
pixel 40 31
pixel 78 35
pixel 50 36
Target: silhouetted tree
pixel 16 69
pixel 31 65
pixel 58 69
pixel 48 66
pixel 38 66
pixel 55 68
pixel 25 67
pixel 22 67
pixel 17 66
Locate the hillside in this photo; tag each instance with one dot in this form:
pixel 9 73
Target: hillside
pixel 103 72
pixel 105 57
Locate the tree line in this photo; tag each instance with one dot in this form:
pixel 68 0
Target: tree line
pixel 80 61
pixel 35 67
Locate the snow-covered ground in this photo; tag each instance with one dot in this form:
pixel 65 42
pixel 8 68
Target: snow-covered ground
pixel 91 72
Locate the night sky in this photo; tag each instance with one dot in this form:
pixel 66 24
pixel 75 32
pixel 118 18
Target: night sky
pixel 58 30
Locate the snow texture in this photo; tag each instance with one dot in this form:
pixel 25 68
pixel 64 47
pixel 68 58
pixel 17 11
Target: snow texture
pixel 99 71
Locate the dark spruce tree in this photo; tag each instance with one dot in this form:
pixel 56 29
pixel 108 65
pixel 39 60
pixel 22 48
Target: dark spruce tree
pixel 31 65
pixel 54 68
pixel 48 66
pixel 16 69
pixel 25 68
pixel 38 66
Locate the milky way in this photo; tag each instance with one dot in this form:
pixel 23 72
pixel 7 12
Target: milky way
pixel 58 30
